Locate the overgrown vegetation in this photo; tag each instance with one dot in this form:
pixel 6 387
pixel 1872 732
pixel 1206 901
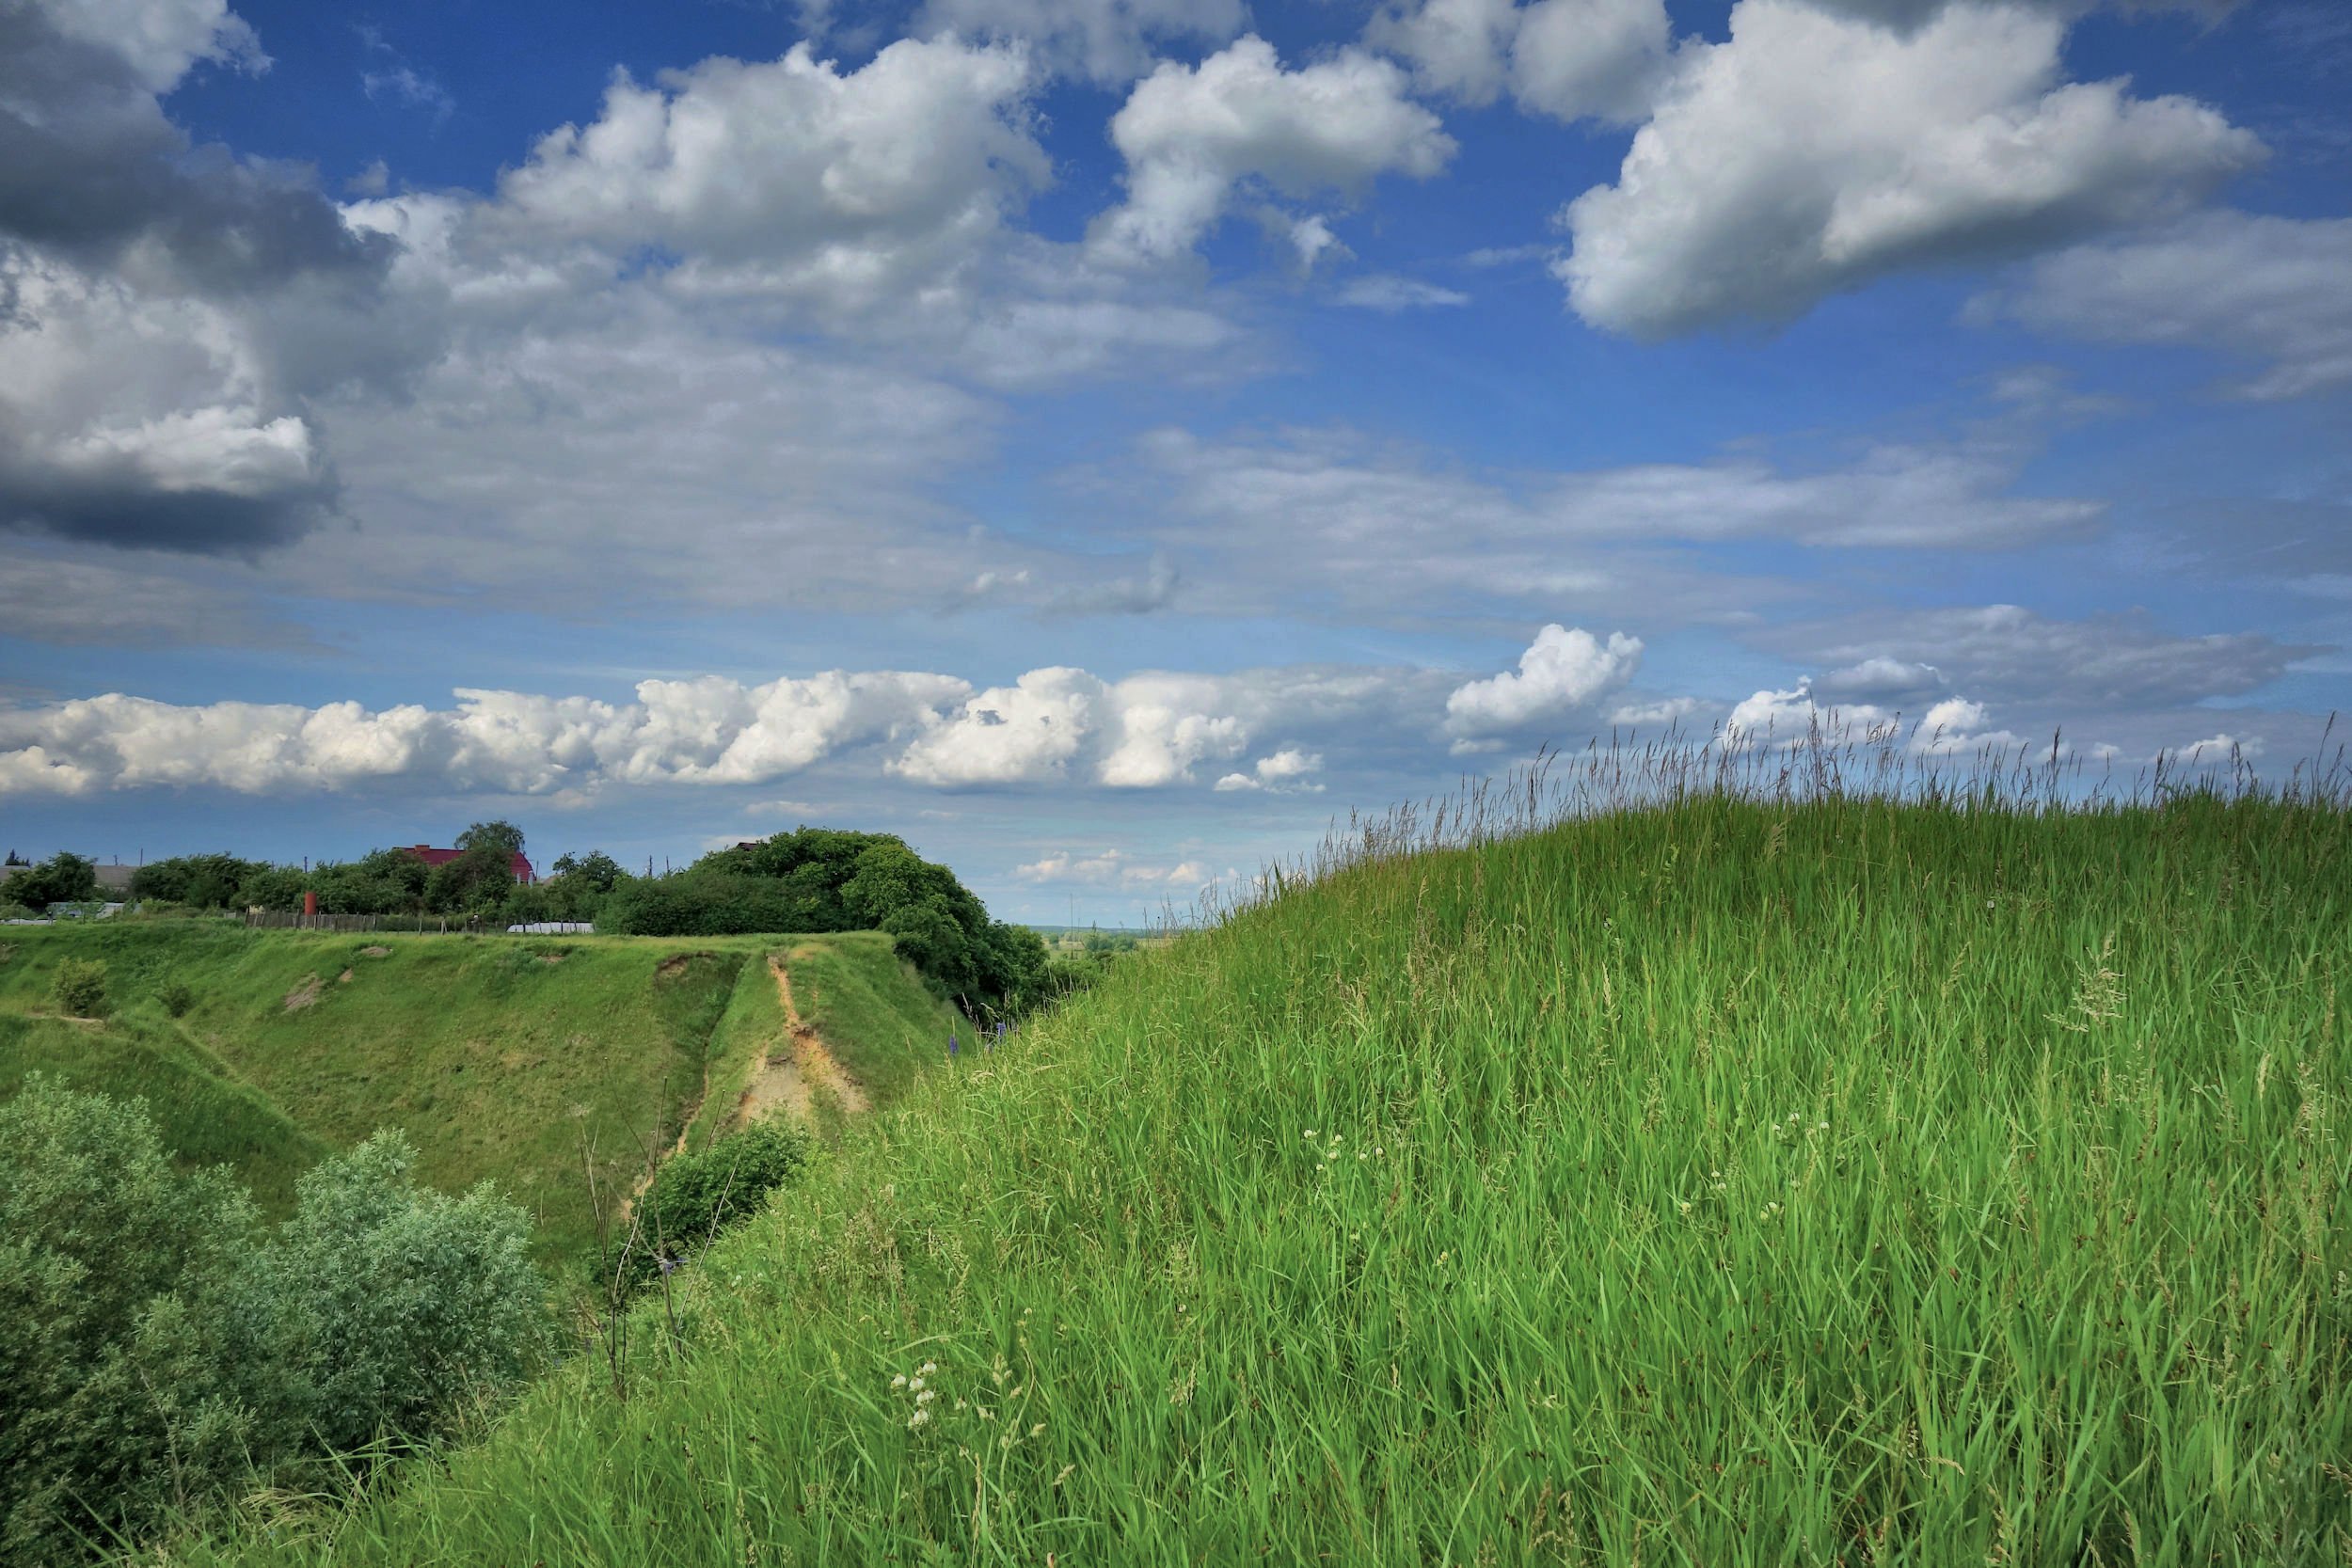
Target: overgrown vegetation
pixel 816 880
pixel 80 988
pixel 699 1193
pixel 166 1352
pixel 1752 1175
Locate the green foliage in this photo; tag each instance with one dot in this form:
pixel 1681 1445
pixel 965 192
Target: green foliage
pixel 385 881
pixel 1734 1182
pixel 175 997
pixel 80 988
pixel 272 887
pixel 165 1353
pixel 389 1306
pixel 62 878
pixel 595 871
pixel 501 836
pixel 200 881
pixel 697 1195
pixel 115 1403
pixel 816 880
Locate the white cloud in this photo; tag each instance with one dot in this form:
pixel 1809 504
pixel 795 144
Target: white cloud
pixel 1567 58
pixel 1115 868
pixel 708 731
pixel 159 40
pixel 1387 293
pixel 2270 289
pixel 1026 733
pixel 1107 41
pixel 1288 771
pixel 1191 133
pixel 793 178
pixel 1811 153
pixel 2215 750
pixel 1659 711
pixel 1150 730
pixel 1563 673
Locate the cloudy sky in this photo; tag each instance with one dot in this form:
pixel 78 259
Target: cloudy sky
pixel 1102 440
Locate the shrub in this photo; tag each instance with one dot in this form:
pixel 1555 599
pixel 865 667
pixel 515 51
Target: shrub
pixel 176 997
pixel 158 1357
pixel 111 1268
pixel 80 988
pixel 696 1195
pixel 389 1306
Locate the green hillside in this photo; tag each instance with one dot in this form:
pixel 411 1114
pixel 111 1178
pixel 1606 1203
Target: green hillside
pixel 1732 1183
pixel 499 1057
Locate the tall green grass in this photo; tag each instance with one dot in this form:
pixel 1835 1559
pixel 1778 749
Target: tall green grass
pixel 1780 1175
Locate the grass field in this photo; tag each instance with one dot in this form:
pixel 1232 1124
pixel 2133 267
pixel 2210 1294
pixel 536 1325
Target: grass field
pixel 499 1057
pixel 1727 1182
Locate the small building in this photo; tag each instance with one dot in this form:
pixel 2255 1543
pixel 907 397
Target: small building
pixel 520 865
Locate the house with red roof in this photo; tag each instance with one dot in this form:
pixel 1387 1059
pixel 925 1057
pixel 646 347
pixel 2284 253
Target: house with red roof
pixel 520 864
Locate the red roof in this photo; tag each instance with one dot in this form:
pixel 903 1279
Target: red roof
pixel 426 852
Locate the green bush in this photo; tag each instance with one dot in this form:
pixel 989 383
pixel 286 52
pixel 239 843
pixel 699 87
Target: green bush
pixel 389 1306
pixel 176 997
pixel 111 1268
pixel 162 1352
pixel 696 1195
pixel 80 988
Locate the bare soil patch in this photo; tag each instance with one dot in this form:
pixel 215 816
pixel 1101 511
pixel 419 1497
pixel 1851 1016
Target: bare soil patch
pixel 375 952
pixel 306 994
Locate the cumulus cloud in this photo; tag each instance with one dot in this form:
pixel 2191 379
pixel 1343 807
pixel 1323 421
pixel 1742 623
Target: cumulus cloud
pixel 2270 290
pixel 1567 58
pixel 1813 152
pixel 791 176
pixel 1190 134
pixel 1563 673
pixel 1116 868
pixel 709 730
pixel 1288 771
pixel 1107 41
pixel 1152 730
pixel 160 304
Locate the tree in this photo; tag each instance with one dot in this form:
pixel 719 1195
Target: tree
pixel 594 870
pixel 502 836
pixel 64 878
pixel 271 887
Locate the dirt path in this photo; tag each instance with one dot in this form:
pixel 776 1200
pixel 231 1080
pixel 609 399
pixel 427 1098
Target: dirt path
pixel 791 1075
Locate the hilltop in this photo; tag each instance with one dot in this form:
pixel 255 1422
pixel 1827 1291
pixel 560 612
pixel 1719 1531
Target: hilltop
pixel 501 1057
pixel 1728 1181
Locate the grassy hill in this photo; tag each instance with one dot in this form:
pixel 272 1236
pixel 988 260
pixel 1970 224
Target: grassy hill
pixel 1729 1184
pixel 500 1057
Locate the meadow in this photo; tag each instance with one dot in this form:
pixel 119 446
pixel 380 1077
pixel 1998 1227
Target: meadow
pixel 521 1060
pixel 1798 1174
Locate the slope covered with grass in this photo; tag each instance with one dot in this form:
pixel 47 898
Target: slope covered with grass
pixel 500 1057
pixel 1732 1182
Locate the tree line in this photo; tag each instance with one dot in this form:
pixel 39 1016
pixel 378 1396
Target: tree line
pixel 810 880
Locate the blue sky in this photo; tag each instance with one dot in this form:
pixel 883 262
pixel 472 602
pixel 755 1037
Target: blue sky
pixel 1105 440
